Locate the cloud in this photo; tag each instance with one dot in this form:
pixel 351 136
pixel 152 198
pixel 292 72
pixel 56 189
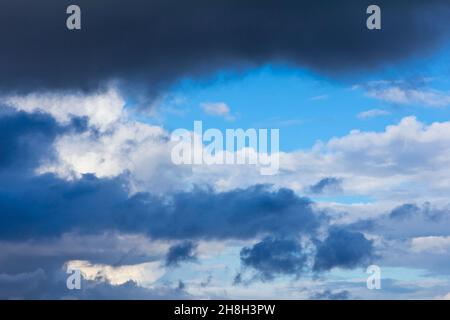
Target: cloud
pixel 393 166
pixel 45 207
pixel 409 153
pixel 101 109
pixel 143 274
pixel 183 252
pixel 411 220
pixel 273 257
pixel 440 245
pixel 154 43
pixel 373 113
pixel 22 285
pixel 410 236
pixel 39 284
pixel 404 211
pixel 94 205
pixel 26 138
pixel 445 297
pixel 49 253
pixel 399 92
pixel 220 109
pixel 329 295
pixel 343 249
pixel 327 185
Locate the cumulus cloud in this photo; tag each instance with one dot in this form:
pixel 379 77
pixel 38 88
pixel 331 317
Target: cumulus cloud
pixel 405 154
pixel 107 202
pixel 101 109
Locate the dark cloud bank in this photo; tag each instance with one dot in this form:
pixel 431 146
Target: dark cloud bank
pixel 156 42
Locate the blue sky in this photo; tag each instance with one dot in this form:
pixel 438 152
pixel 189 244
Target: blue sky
pixel 309 107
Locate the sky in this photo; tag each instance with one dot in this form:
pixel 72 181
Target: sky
pixel 87 180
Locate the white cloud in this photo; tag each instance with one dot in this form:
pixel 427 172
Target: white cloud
pixel 102 109
pixel 373 113
pixel 220 109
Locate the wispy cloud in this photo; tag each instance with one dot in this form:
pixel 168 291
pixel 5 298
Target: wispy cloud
pixel 219 109
pixel 373 113
pixel 404 92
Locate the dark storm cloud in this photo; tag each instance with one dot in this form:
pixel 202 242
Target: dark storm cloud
pixel 273 257
pixel 182 252
pixel 155 42
pixel 344 249
pixel 329 184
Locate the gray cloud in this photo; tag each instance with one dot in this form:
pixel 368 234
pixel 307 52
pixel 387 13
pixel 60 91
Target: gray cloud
pixel 273 257
pixel 39 284
pixel 182 252
pixel 344 249
pixel 328 184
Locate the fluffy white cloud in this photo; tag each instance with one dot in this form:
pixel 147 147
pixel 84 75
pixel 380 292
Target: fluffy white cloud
pixel 101 109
